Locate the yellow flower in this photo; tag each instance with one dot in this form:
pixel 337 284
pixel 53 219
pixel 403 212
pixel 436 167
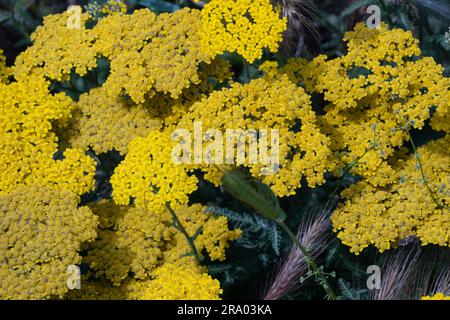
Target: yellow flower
pixel 244 26
pixel 437 296
pixel 42 230
pixel 29 150
pixel 57 50
pixel 134 245
pixel 136 55
pixel 378 89
pixel 267 104
pixel 104 123
pixel 214 237
pixel 410 206
pixel 150 177
pixel 178 283
pixel 129 239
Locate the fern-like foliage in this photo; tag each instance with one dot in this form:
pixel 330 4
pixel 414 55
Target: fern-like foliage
pixel 350 293
pixel 257 232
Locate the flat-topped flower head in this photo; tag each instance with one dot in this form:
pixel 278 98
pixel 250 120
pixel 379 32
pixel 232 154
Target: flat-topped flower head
pixel 243 26
pixel 42 230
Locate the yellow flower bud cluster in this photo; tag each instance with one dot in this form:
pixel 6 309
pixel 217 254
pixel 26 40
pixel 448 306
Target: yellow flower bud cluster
pixel 4 70
pixel 104 123
pixel 440 120
pixel 137 251
pixel 213 238
pixel 41 233
pixel 150 177
pixel 135 44
pixel 181 283
pixel 98 10
pixel 437 296
pixel 129 240
pixel 414 205
pixel 28 144
pixel 268 104
pixel 57 50
pixel 243 26
pixel 161 61
pixel 381 87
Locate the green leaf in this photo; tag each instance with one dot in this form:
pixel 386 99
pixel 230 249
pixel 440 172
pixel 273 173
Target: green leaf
pixel 259 197
pixel 404 21
pixel 4 18
pixel 103 70
pixel 355 6
pixel 214 269
pixel 156 6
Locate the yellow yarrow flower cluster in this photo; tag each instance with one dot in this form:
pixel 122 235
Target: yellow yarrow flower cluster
pixel 57 50
pixel 28 143
pixel 411 206
pixel 135 45
pixel 437 296
pixel 167 59
pixel 104 123
pixel 41 233
pixel 97 10
pixel 244 26
pixel 275 104
pixel 378 89
pixel 170 110
pixel 177 283
pixel 213 238
pixel 129 240
pixel 174 282
pixel 440 120
pixel 150 177
pixel 134 245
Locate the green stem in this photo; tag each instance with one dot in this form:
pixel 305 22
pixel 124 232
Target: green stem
pixel 180 227
pixel 419 162
pixel 309 259
pixel 348 169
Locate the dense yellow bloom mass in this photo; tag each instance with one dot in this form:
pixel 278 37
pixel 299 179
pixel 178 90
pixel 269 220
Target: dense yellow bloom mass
pixel 268 104
pixel 378 89
pixel 28 143
pixel 41 232
pixel 244 26
pixel 177 283
pixel 213 238
pixel 170 110
pixel 104 123
pixel 129 240
pixel 437 296
pixel 150 177
pixel 133 241
pixel 166 60
pixel 57 50
pixel 409 206
pixel 148 53
pixel 170 282
pixel 97 11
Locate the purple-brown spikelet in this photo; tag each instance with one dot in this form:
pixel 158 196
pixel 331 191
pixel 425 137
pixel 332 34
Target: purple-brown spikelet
pixel 432 275
pixel 312 233
pixel 299 15
pixel 397 269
